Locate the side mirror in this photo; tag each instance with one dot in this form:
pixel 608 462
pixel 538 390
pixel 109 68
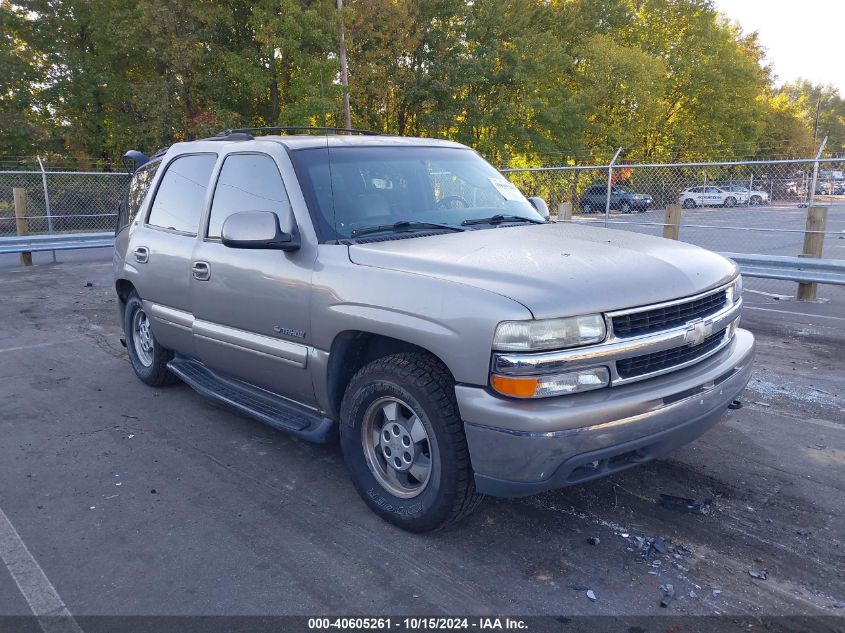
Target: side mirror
pixel 538 203
pixel 258 229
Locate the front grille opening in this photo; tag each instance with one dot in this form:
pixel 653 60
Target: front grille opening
pixel 662 318
pixel 648 363
pixel 611 464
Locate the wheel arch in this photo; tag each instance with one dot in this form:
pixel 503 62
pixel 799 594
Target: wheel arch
pixel 353 349
pixel 124 288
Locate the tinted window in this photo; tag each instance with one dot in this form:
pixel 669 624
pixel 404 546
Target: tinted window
pixel 138 187
pixel 181 194
pixel 249 182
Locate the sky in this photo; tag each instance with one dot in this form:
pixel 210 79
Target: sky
pixel 802 39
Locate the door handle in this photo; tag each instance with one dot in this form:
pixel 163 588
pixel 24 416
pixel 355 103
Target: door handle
pixel 200 271
pixel 142 254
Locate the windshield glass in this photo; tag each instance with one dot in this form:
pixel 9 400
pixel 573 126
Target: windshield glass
pixel 349 188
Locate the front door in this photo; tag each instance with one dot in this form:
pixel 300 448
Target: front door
pixel 251 306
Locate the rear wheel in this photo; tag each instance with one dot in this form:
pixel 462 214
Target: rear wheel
pixel 730 201
pixel 404 444
pixel 148 358
pixel 586 207
pixel 756 201
pixel 625 206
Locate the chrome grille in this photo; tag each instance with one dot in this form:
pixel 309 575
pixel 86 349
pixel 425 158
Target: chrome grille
pixel 657 361
pixel 661 318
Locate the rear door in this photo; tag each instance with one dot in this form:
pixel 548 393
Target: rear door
pixel 161 247
pixel 251 306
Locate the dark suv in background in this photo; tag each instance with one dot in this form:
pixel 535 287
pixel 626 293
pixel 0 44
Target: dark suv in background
pixel 621 199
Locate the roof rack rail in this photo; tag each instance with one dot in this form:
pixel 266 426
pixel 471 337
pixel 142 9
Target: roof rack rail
pixel 247 131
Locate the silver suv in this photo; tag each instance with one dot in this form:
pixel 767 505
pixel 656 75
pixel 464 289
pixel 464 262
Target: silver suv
pixel 401 293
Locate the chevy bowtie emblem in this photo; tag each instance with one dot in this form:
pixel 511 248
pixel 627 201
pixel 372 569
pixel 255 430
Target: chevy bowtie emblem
pixel 697 333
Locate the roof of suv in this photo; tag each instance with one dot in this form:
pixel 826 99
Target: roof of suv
pixel 311 141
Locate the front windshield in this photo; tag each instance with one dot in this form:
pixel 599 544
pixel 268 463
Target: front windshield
pixel 354 188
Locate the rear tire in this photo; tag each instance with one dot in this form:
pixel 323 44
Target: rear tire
pixel 625 207
pixel 148 358
pixel 586 207
pixel 756 201
pixel 730 202
pixel 404 445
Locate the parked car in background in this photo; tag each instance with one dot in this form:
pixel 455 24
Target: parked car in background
pixel 830 188
pixel 707 196
pixel 754 197
pixel 621 199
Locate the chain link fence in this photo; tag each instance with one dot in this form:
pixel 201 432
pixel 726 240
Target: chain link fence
pixel 756 207
pixel 62 201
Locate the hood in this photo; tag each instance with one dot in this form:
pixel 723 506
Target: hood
pixel 557 269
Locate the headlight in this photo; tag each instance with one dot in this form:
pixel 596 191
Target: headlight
pixel 550 385
pixel 532 336
pixel 735 289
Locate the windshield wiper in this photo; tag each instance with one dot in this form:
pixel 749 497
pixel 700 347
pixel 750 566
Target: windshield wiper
pixel 499 218
pixel 404 225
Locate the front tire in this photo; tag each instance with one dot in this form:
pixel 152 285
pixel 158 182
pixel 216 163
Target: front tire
pixel 404 444
pixel 148 358
pixel 730 202
pixel 756 201
pixel 689 203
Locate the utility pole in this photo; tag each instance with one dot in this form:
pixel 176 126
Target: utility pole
pixel 344 70
pixel 816 125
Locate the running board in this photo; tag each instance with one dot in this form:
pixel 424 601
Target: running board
pixel 261 405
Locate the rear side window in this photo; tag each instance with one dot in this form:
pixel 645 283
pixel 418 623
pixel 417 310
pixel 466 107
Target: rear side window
pixel 249 182
pixel 138 188
pixel 179 200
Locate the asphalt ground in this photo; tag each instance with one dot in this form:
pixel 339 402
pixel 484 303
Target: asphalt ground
pixel 122 499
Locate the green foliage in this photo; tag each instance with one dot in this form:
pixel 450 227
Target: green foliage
pixel 523 81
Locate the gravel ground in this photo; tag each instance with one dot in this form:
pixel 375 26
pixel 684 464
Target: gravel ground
pixel 154 501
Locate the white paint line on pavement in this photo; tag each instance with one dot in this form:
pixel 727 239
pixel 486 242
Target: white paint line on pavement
pixel 37 590
pixel 36 345
pixel 804 314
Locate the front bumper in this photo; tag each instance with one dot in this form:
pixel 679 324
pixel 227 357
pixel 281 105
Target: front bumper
pixel 521 447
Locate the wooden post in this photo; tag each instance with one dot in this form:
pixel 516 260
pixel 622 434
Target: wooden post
pixel 672 222
pixel 21 221
pixel 564 212
pixel 813 244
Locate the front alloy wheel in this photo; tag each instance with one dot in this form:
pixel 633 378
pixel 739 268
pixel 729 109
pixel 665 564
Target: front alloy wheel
pixel 397 447
pixel 404 445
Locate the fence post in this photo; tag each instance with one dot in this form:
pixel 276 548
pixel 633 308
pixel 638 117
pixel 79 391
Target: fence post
pixel 47 202
pixel 609 185
pixel 813 244
pixel 672 222
pixel 564 212
pixel 21 221
pixel 812 192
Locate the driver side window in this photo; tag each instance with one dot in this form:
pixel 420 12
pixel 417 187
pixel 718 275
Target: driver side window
pixel 249 182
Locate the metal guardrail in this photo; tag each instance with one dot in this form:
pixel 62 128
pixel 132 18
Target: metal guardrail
pixel 57 242
pixel 801 269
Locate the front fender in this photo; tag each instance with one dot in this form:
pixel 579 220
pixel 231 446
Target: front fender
pixel 453 321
